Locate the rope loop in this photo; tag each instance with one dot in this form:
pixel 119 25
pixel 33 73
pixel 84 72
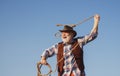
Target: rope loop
pixel 39 65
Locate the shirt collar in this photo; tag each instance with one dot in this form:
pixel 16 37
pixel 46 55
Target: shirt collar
pixel 69 43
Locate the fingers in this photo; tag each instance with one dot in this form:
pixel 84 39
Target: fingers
pixel 97 18
pixel 97 15
pixel 43 61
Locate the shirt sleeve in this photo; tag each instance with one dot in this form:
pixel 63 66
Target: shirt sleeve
pixel 87 38
pixel 50 51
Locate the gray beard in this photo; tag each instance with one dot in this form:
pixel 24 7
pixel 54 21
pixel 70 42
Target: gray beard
pixel 66 40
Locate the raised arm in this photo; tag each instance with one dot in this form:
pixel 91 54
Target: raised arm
pixel 93 34
pixel 96 22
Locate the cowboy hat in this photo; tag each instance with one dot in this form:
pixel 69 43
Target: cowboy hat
pixel 67 28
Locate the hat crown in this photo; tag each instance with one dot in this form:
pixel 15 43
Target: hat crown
pixel 66 27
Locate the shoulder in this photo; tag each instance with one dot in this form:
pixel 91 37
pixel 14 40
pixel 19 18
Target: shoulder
pixel 60 43
pixel 79 38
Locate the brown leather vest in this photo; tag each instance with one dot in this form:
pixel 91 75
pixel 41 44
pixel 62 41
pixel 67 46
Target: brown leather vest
pixel 78 54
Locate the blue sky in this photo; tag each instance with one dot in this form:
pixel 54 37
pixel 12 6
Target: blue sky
pixel 27 27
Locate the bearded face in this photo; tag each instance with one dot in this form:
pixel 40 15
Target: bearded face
pixel 67 37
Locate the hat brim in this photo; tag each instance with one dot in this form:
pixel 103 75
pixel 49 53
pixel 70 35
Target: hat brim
pixel 69 31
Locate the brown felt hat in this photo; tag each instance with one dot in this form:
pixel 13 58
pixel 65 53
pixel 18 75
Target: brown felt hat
pixel 67 28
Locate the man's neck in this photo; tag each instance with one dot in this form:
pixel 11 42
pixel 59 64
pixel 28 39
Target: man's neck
pixel 70 42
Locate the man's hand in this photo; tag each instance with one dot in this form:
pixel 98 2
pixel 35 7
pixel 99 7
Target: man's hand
pixel 97 18
pixel 43 61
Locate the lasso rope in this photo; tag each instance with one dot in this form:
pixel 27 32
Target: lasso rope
pixel 79 23
pixel 39 65
pixel 58 34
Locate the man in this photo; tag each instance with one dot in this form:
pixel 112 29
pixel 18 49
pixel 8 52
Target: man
pixel 71 49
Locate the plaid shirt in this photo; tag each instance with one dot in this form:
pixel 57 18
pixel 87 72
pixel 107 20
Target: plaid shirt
pixel 70 65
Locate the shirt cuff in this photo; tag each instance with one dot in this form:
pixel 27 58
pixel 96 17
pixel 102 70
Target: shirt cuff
pixel 45 54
